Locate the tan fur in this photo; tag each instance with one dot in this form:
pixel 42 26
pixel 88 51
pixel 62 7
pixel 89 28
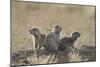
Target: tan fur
pixel 38 38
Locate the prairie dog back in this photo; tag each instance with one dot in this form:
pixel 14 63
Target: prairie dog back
pixel 67 42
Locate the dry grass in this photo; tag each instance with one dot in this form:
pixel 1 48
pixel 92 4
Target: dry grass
pixel 29 57
pixel 74 56
pixel 44 16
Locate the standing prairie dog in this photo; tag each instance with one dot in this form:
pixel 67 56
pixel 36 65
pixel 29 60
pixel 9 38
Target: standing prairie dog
pixel 38 38
pixel 67 42
pixel 52 39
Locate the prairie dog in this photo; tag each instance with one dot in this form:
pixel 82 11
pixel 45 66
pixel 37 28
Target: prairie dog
pixel 38 38
pixel 52 40
pixel 67 42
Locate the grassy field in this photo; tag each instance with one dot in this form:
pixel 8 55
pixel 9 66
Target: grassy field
pixel 26 15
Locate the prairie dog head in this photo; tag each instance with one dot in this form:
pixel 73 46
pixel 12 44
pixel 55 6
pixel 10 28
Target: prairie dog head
pixel 75 34
pixel 57 29
pixel 35 32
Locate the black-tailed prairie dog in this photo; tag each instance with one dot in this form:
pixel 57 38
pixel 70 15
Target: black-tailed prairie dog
pixel 52 39
pixel 38 38
pixel 67 42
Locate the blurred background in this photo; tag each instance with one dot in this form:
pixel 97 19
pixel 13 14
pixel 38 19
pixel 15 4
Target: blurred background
pixel 27 15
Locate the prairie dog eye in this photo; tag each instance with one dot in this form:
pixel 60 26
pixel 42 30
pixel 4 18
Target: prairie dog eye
pixel 57 28
pixel 34 31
